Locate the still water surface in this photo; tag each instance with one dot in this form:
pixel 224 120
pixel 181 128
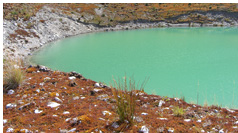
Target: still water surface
pixel 197 63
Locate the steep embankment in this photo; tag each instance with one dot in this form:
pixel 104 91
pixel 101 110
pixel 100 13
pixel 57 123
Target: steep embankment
pixel 35 25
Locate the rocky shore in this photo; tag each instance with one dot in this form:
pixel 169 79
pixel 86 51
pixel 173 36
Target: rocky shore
pixel 21 38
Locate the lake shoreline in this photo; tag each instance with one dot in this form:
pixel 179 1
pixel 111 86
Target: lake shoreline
pixel 27 41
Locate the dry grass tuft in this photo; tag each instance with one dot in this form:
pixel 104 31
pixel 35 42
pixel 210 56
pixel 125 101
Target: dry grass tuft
pixel 125 99
pixel 13 75
pixel 178 111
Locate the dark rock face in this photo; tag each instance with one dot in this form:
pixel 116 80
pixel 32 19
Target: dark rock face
pixel 75 74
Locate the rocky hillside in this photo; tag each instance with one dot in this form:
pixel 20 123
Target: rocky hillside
pixel 27 27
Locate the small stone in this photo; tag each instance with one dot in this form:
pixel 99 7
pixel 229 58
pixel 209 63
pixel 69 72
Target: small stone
pixel 144 113
pixel 72 78
pixel 97 90
pixel 161 102
pixel 106 113
pixel 10 92
pixel 163 118
pixel 67 119
pixel 202 131
pixel 72 83
pixel 82 97
pixel 138 118
pixel 63 131
pixel 187 120
pixel 10 130
pixel 24 131
pixel 25 106
pixel 221 131
pixel 11 105
pixel 55 115
pixel 72 130
pixel 235 127
pixel 171 130
pixel 38 111
pixel 199 120
pixel 46 79
pixel 115 125
pixel 58 100
pixel 97 85
pixel 38 90
pixel 144 129
pixel 236 122
pixel 4 121
pixel 103 97
pixel 53 104
pixel 76 98
pixel 66 112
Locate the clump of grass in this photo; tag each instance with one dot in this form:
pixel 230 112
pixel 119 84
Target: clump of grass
pixel 13 75
pixel 178 111
pixel 126 99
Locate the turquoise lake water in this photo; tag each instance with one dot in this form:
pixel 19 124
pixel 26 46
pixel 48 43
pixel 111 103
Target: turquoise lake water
pixel 197 63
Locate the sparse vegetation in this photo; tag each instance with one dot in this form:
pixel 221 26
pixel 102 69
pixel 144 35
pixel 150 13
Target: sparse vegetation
pixel 13 75
pixel 177 111
pixel 125 99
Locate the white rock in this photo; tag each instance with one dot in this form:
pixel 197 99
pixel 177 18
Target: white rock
pixel 38 111
pixel 97 90
pixel 55 115
pixel 221 131
pixel 232 111
pixel 53 104
pixel 115 125
pixel 57 94
pixel 97 85
pixel 10 92
pixel 24 130
pixel 67 119
pixel 187 120
pixel 76 98
pixel 161 102
pixel 66 112
pixel 202 131
pixel 58 100
pixel 101 119
pixel 106 112
pixel 143 113
pixel 72 78
pixel 163 118
pixel 82 97
pixel 199 120
pixel 47 78
pixel 236 122
pixel 38 90
pixel 171 130
pixel 4 121
pixel 144 129
pixel 11 105
pixel 176 99
pixel 10 130
pixel 235 127
pixel 72 130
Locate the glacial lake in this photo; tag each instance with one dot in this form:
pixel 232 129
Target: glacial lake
pixel 197 63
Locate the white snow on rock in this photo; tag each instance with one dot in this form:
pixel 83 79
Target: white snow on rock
pixel 53 104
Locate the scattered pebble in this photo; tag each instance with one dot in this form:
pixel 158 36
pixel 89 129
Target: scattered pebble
pixel 10 92
pixel 53 104
pixel 163 118
pixel 199 120
pixel 97 85
pixel 236 122
pixel 55 115
pixel 10 130
pixel 171 130
pixel 72 130
pixel 187 120
pixel 161 102
pixel 144 113
pixel 144 129
pixel 66 112
pixel 115 125
pixel 72 78
pixel 76 98
pixel 106 113
pixel 82 97
pixel 4 121
pixel 58 100
pixel 67 119
pixel 11 105
pixel 38 111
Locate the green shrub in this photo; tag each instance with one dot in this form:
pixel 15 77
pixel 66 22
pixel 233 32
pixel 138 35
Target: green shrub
pixel 13 75
pixel 178 111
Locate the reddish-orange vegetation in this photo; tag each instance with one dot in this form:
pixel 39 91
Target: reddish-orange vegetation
pixel 86 108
